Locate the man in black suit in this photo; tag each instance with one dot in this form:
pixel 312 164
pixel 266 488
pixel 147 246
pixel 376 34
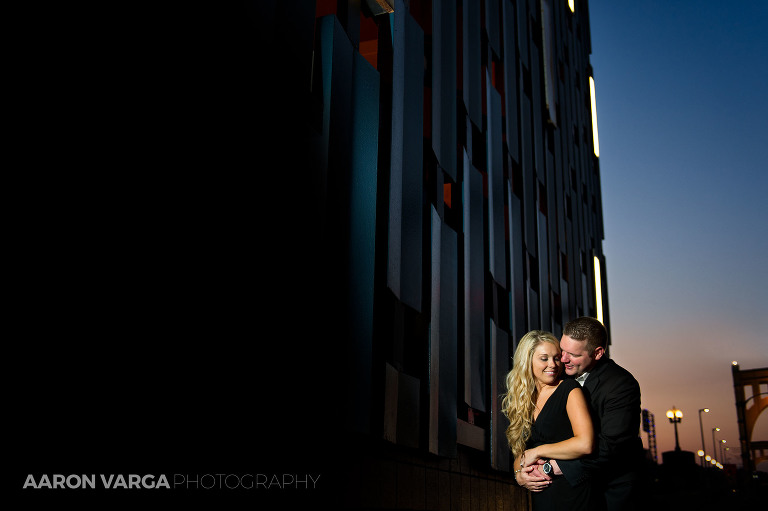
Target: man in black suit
pixel 614 395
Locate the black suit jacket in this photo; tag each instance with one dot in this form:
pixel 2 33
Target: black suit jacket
pixel 614 395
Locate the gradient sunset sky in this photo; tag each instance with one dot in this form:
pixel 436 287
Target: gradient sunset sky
pixel 682 90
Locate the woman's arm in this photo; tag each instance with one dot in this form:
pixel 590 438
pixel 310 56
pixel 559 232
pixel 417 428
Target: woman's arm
pixel 582 441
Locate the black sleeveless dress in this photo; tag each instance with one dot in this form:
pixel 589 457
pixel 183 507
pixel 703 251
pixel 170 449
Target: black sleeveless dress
pixel 552 425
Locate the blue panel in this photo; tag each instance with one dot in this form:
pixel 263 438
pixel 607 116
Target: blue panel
pixel 492 25
pixel 443 370
pixel 511 79
pixel 500 366
pixel 552 219
pixel 326 30
pixel 533 309
pixel 435 333
pixel 517 317
pixel 548 49
pixel 401 407
pixel 362 242
pixel 543 260
pixel 574 273
pixel 529 177
pixel 474 289
pixel 536 117
pixel 522 30
pixel 406 174
pixel 349 145
pixel 560 179
pixel 472 68
pixel 565 301
pixel 496 188
pixel 408 408
pixel 444 91
pixel 336 67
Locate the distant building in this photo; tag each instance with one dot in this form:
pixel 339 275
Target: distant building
pixel 447 157
pixel 648 425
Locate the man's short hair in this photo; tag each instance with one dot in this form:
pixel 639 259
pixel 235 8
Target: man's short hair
pixel 587 329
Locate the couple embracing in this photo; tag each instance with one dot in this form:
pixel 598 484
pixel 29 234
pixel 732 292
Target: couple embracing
pixel 574 421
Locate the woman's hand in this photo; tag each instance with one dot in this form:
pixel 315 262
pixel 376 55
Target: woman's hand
pixel 532 479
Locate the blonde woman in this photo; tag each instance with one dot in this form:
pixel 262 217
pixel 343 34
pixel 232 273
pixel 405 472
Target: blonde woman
pixel 549 418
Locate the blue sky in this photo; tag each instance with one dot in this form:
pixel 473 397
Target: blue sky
pixel 682 103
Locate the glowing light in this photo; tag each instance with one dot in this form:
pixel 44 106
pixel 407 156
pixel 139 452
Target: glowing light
pixel 706 410
pixel 734 363
pixel 674 413
pixel 708 458
pixel 700 453
pixel 570 5
pixel 598 291
pixel 594 116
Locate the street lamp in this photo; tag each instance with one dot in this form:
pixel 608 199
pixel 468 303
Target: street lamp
pixel 721 450
pixel 674 415
pixel 714 443
pixel 701 427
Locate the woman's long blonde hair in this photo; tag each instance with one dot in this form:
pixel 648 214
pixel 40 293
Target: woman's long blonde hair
pixel 520 399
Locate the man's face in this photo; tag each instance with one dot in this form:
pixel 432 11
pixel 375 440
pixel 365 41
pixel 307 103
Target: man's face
pixel 576 358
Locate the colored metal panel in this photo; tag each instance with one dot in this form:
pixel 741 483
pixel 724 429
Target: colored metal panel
pixel 401 407
pixel 533 309
pixel 361 248
pixel 511 79
pixel 500 366
pixel 522 31
pixel 336 68
pixel 404 269
pixel 548 43
pixel 408 410
pixel 474 289
pixel 517 318
pixel 529 177
pixel 444 89
pixel 492 28
pixel 543 261
pixel 561 173
pixel 552 222
pixel 472 66
pixel 538 125
pixel 495 167
pixel 565 302
pixel 389 429
pixel 443 340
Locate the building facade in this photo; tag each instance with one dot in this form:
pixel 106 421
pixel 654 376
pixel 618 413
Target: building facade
pixel 447 161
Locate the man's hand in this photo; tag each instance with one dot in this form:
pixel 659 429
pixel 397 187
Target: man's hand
pixel 532 479
pixel 531 457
